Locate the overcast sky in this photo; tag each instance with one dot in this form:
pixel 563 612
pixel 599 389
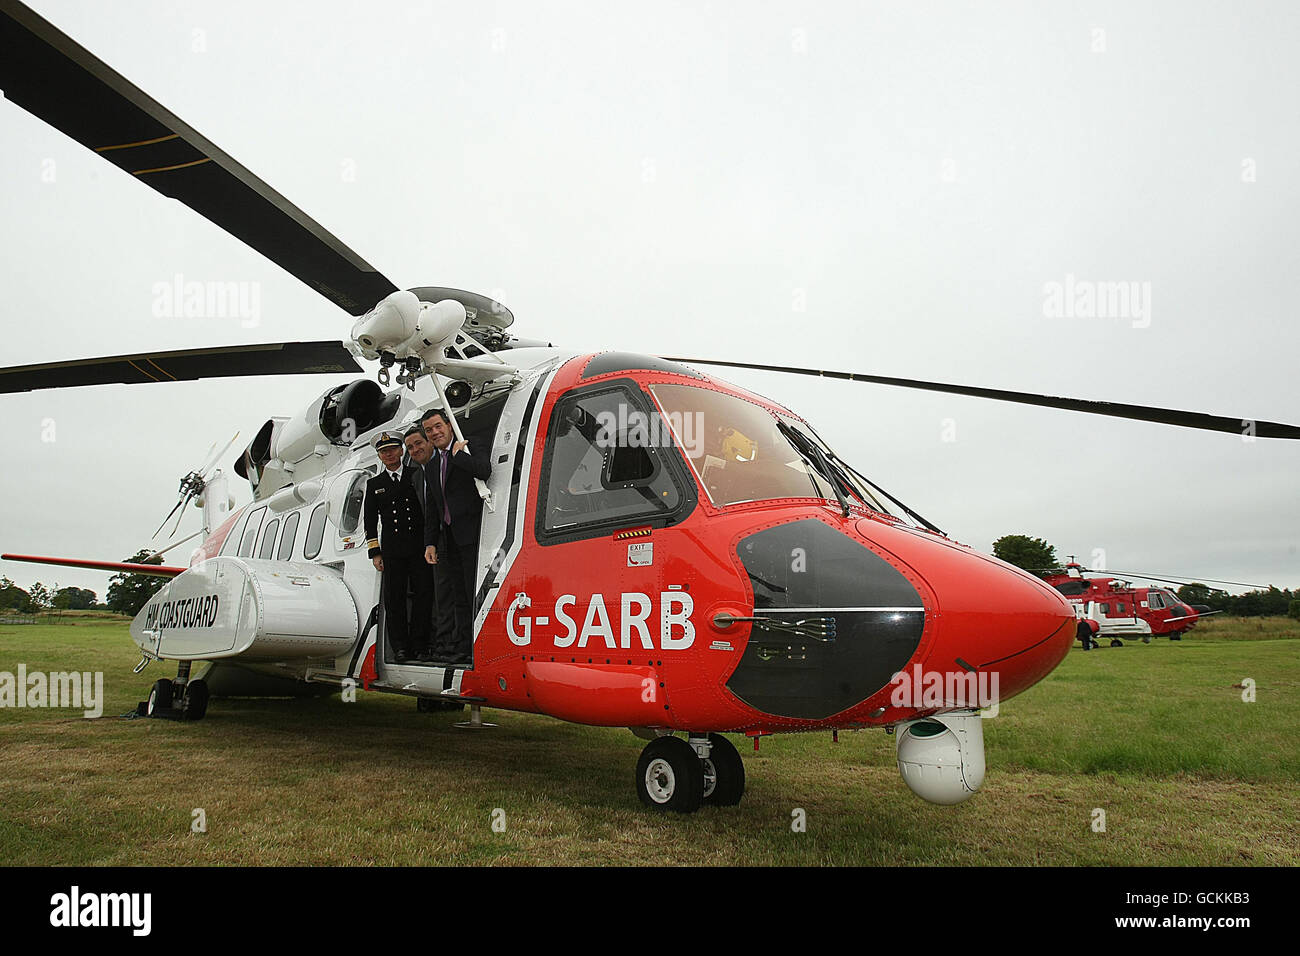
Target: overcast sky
pixel 887 188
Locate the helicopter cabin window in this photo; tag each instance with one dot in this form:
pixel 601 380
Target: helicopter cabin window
pixel 1155 600
pixel 315 532
pixel 736 447
pixel 351 513
pixel 268 539
pixel 1105 609
pixel 605 464
pixel 1072 588
pixel 287 539
pixel 250 533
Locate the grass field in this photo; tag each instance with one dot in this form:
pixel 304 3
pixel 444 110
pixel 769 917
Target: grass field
pixel 1158 737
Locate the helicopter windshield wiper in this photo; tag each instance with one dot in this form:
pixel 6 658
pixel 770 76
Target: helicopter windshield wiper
pixel 813 455
pixel 906 510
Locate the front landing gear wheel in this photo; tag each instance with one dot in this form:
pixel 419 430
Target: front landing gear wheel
pixel 160 697
pixel 724 773
pixel 670 776
pixel 195 702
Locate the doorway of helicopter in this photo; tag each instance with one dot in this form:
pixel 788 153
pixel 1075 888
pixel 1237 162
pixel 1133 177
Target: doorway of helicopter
pixel 478 425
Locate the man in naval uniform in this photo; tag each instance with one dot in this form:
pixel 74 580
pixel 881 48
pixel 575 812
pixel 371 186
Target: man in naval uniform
pixel 399 551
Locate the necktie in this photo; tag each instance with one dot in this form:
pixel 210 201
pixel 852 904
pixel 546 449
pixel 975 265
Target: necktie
pixel 446 509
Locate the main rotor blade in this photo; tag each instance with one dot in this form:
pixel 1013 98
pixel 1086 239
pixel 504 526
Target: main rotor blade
pixel 275 358
pixel 1142 413
pixel 51 76
pixel 1184 579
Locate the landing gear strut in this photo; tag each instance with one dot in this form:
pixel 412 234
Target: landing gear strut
pixel 679 775
pixel 724 773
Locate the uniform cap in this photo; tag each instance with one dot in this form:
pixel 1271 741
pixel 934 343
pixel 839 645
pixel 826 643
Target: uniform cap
pixel 388 440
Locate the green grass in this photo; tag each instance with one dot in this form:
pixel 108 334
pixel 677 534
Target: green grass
pixel 1221 628
pixel 1156 736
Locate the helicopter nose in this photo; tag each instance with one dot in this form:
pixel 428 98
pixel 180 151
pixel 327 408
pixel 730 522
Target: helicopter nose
pixel 987 615
pixel 1008 621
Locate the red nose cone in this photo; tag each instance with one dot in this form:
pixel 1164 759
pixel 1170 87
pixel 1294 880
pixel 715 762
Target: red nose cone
pixel 1006 618
pixel 987 615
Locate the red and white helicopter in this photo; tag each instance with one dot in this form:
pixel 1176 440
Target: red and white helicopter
pixel 660 550
pixel 1111 607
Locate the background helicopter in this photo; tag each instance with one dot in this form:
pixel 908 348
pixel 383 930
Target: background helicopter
pixel 285 360
pixel 1111 608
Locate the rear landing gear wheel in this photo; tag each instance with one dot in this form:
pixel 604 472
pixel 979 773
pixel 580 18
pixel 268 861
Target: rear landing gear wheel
pixel 195 702
pixel 670 776
pixel 724 773
pixel 160 697
pixel 1176 636
pixel 1116 642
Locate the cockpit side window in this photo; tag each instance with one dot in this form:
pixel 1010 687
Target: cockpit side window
pixel 608 464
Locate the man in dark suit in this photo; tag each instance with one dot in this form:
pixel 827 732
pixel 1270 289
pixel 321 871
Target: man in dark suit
pixel 419 452
pixel 398 553
pixel 451 529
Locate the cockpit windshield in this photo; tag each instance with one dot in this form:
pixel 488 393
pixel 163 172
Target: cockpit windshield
pixel 743 452
pixel 736 447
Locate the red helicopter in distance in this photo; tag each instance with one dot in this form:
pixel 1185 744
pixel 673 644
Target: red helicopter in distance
pixel 1109 607
pixel 660 550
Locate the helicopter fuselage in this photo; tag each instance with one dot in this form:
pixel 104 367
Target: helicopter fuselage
pixel 642 591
